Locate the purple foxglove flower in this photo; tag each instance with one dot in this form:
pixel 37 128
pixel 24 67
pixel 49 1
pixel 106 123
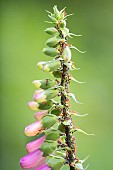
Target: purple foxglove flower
pixel 44 166
pixel 33 129
pixel 39 115
pixel 32 160
pixel 34 145
pixel 33 105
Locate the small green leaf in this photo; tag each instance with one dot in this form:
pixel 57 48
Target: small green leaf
pixel 72 78
pixel 77 114
pixel 80 130
pixel 82 161
pixel 48 147
pixel 52 134
pixel 55 162
pixel 73 35
pixel 68 15
pixel 74 98
pixel 77 49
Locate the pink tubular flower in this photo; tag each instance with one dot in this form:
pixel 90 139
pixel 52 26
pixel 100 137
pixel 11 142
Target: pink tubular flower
pixel 39 115
pixel 33 129
pixel 44 166
pixel 32 146
pixel 32 160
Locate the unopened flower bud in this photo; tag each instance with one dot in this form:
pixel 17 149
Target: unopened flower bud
pixel 34 128
pixel 49 65
pixel 39 91
pixel 52 52
pixel 51 31
pixel 37 127
pixel 44 84
pixel 37 83
pixel 39 97
pixel 45 105
pixel 66 55
pixel 40 114
pixel 62 24
pixel 54 65
pixel 52 42
pixel 54 20
pixel 42 96
pixel 56 12
pixel 33 105
pixel 41 64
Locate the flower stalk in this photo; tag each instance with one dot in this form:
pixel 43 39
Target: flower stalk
pixel 56 146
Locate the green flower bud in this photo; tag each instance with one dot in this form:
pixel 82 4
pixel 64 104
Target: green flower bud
pixel 54 65
pixel 41 64
pixel 65 32
pixel 54 20
pixel 44 84
pixel 52 42
pixel 48 121
pixel 51 93
pixel 51 31
pixel 52 52
pixel 55 162
pixel 45 105
pixel 62 24
pixel 52 134
pixel 66 55
pixel 56 74
pixel 56 12
pixel 49 65
pixel 48 147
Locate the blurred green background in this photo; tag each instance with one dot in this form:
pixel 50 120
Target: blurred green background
pixel 22 40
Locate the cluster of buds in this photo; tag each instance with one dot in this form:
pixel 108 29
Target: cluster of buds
pixel 55 144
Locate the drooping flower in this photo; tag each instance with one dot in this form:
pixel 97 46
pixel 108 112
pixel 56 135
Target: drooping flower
pixel 34 145
pixel 33 129
pixel 44 166
pixel 32 160
pixel 38 126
